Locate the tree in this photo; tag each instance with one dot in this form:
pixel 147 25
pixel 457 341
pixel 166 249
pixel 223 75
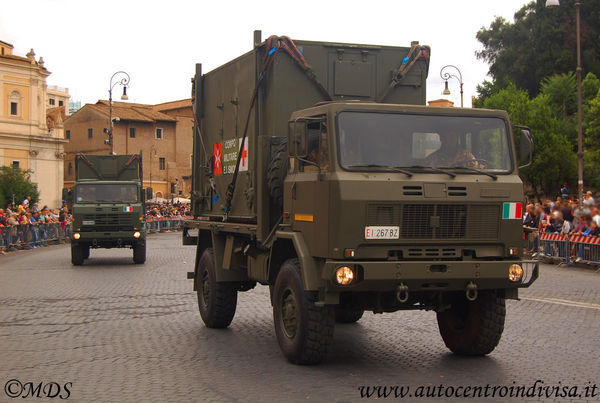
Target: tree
pixel 541 42
pixel 591 156
pixel 590 86
pixel 15 181
pixel 554 161
pixel 562 92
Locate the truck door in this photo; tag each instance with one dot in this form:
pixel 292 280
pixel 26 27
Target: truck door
pixel 310 190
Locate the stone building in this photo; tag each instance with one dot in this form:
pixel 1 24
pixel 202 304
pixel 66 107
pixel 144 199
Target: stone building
pixel 31 135
pixel 163 133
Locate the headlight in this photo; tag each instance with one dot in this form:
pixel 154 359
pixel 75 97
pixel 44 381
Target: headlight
pixel 344 275
pixel 76 235
pixel 136 234
pixel 515 273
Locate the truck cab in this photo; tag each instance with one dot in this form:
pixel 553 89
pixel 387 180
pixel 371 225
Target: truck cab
pixel 410 192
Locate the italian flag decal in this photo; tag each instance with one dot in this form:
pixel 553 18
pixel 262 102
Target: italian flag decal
pixel 512 211
pixel 128 209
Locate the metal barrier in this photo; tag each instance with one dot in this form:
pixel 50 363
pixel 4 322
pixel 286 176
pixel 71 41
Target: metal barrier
pixel 164 224
pixel 29 236
pixel 585 249
pixel 553 248
pixel 568 249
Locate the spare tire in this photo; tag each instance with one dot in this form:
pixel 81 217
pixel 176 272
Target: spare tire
pixel 278 168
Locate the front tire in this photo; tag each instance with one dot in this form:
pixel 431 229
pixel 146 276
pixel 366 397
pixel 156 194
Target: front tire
pixel 304 331
pixel 139 253
pixel 86 252
pixel 473 327
pixel 77 254
pixel 216 301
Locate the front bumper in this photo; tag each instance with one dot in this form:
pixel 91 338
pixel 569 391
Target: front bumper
pixel 119 239
pixel 429 275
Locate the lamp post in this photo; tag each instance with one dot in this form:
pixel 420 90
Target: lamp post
pixel 555 3
pixel 124 81
pixel 446 76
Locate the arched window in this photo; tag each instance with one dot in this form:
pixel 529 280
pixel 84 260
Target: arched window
pixel 15 104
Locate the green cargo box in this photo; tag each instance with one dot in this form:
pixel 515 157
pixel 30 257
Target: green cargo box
pixel 222 98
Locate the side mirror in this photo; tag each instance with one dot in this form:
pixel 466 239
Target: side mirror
pixel 297 138
pixel 525 148
pixel 67 195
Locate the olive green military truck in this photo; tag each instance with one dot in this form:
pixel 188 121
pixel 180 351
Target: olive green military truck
pixel 107 203
pixel 318 171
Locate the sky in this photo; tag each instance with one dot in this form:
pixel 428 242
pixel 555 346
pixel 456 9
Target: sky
pixel 158 43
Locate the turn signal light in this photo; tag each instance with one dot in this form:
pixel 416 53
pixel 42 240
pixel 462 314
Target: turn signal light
pixel 344 275
pixel 515 273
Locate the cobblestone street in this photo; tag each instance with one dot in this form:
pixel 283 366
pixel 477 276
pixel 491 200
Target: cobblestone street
pixel 123 332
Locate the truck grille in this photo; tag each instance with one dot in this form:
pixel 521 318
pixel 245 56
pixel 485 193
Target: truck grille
pixel 438 221
pixel 107 223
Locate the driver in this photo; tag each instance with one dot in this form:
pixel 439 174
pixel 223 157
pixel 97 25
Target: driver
pixel 452 153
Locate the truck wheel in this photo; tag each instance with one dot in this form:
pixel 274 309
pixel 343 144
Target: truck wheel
pixel 216 301
pixel 139 253
pixel 473 328
pixel 86 252
pixel 278 168
pixel 77 254
pixel 348 315
pixel 304 330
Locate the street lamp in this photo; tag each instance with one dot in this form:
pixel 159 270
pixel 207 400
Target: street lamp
pixel 555 3
pixel 124 81
pixel 446 76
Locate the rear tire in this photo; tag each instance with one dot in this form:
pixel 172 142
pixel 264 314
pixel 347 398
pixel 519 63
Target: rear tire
pixel 348 315
pixel 216 301
pixel 139 253
pixel 473 327
pixel 304 331
pixel 77 254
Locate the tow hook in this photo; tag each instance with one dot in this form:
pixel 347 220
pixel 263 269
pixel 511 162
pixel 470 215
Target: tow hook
pixel 471 291
pixel 402 293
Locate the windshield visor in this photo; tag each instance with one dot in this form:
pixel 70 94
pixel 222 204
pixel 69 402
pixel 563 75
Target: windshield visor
pixel 106 193
pixel 384 141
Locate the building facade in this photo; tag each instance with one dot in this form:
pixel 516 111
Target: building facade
pixel 163 133
pixel 31 135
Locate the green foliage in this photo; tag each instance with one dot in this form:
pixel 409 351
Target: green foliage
pixel 554 161
pixel 590 86
pixel 591 156
pixel 484 91
pixel 562 92
pixel 541 42
pixel 16 181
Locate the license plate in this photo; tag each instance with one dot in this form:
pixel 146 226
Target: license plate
pixel 84 222
pixel 382 232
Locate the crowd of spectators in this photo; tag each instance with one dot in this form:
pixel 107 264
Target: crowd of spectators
pixel 28 225
pixel 167 211
pixel 565 216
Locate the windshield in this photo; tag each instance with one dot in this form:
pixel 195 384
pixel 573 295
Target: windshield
pixel 106 193
pixel 375 140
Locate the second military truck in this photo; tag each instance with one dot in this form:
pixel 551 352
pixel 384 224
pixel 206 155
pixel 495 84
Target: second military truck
pixel 107 203
pixel 318 171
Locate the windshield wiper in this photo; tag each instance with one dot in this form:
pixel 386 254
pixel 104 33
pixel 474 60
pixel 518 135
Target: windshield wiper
pixel 452 174
pixel 394 169
pixel 479 171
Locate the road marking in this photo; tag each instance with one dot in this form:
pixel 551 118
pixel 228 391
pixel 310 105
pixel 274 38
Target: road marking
pixel 565 302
